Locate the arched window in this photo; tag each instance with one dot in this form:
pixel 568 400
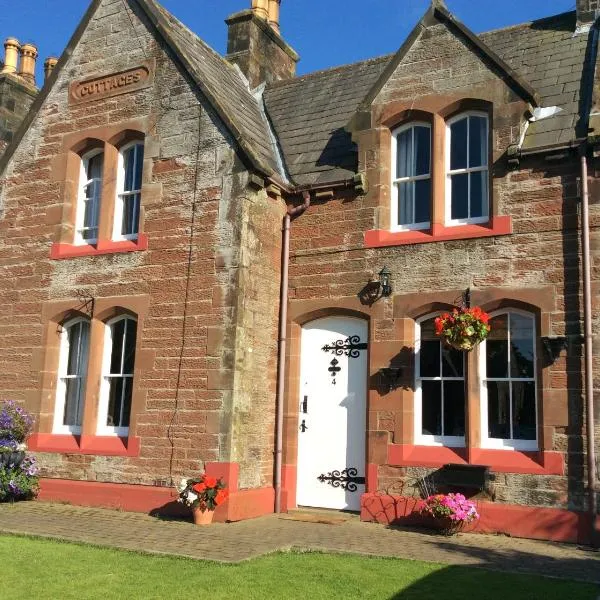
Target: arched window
pixel 117 376
pixel 129 192
pixel 439 389
pixel 508 376
pixel 467 187
pixel 89 195
pixel 72 369
pixel 411 185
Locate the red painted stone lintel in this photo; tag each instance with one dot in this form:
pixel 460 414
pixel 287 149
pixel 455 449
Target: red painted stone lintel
pixel 532 522
pixel 379 238
pixel 500 461
pixel 84 444
pixel 60 251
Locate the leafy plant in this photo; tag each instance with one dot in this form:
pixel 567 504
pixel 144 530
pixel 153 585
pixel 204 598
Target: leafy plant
pixel 205 493
pixel 18 478
pixel 454 507
pixel 464 328
pixel 15 424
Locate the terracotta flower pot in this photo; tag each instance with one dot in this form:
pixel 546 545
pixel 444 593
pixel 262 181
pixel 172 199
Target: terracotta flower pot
pixel 203 518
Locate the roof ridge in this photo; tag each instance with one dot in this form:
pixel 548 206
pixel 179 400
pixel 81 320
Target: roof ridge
pixel 527 23
pixel 328 70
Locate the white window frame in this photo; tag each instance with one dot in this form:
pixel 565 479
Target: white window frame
pixel 103 428
pixel 449 441
pixel 498 443
pixel 449 173
pixel 121 193
pixel 81 198
pixel 394 225
pixel 61 388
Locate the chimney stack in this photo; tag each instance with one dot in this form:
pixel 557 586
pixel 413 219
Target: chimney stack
pixel 29 54
pixel 256 46
pixel 11 56
pixel 587 12
pixel 49 65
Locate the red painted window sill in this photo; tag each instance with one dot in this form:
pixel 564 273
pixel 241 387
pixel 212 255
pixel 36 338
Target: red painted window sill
pixel 61 251
pixel 378 238
pixel 501 461
pixel 84 444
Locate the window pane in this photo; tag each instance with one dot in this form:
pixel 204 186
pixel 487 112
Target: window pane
pixel 118 331
pixel 497 347
pixel 478 142
pixel 74 339
pixel 406 211
pixel 422 150
pixel 73 402
pixel 128 383
pixel 94 166
pixel 460 196
pixel 432 407
pixel 452 362
pixel 404 166
pixel 115 396
pixel 479 194
pixel 129 361
pixel 422 200
pixel 131 213
pixel 521 346
pixel 454 408
pixel 430 359
pixel 458 145
pixel 498 409
pixel 129 164
pixel 523 397
pixel 139 167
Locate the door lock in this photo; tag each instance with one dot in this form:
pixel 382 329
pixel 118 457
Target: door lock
pixel 303 426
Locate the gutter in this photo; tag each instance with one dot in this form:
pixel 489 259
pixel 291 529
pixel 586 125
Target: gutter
pixel 283 302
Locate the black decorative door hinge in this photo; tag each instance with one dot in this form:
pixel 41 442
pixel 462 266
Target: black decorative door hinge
pixel 347 479
pixel 351 347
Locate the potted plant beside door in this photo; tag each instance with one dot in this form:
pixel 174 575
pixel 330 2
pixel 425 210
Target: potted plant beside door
pixel 202 495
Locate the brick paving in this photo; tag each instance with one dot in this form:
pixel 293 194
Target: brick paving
pixel 234 542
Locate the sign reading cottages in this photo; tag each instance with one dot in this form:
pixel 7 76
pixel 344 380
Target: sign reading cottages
pixel 111 85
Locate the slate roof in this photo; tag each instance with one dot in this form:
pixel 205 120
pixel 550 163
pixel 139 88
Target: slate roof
pixel 309 114
pixel 551 59
pixel 225 88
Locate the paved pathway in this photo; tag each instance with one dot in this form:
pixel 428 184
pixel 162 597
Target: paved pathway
pixel 234 542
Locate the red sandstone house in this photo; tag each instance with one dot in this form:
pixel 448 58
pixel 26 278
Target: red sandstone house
pixel 210 263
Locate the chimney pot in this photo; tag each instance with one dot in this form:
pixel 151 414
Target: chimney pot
pixel 11 56
pixel 49 65
pixel 29 55
pixel 260 8
pixel 274 14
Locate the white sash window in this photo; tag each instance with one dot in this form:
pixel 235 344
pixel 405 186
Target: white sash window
pixel 88 202
pixel 129 192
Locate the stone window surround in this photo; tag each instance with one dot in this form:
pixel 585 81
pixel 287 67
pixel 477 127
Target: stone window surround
pixel 377 141
pixel 402 451
pixel 66 169
pixel 54 313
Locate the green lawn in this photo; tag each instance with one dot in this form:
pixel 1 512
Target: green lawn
pixel 45 569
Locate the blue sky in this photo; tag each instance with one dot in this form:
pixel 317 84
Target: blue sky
pixel 325 33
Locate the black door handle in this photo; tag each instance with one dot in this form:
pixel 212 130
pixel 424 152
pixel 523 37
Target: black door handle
pixel 303 426
pixel 305 405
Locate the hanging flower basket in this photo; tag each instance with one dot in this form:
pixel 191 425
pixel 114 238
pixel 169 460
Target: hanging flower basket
pixel 464 328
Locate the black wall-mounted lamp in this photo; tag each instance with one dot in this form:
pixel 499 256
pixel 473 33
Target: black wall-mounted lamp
pixel 385 281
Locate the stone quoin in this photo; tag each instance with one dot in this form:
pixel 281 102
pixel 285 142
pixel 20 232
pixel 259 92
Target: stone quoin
pixel 211 263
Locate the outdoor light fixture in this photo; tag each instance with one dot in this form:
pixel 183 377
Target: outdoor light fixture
pixel 385 277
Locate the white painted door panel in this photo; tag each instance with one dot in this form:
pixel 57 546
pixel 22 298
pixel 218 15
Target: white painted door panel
pixel 332 422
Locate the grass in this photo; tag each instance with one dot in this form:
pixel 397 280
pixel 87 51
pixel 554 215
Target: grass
pixel 48 569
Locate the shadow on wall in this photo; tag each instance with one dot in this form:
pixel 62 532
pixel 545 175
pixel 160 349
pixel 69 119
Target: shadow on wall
pixel 458 583
pixel 398 373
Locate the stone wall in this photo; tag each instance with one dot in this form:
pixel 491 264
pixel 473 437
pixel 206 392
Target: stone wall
pixel 15 100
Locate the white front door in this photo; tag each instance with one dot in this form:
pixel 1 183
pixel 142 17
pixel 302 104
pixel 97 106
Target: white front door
pixel 332 423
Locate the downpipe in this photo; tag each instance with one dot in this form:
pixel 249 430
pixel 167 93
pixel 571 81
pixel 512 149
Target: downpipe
pixel 283 302
pixel 587 323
